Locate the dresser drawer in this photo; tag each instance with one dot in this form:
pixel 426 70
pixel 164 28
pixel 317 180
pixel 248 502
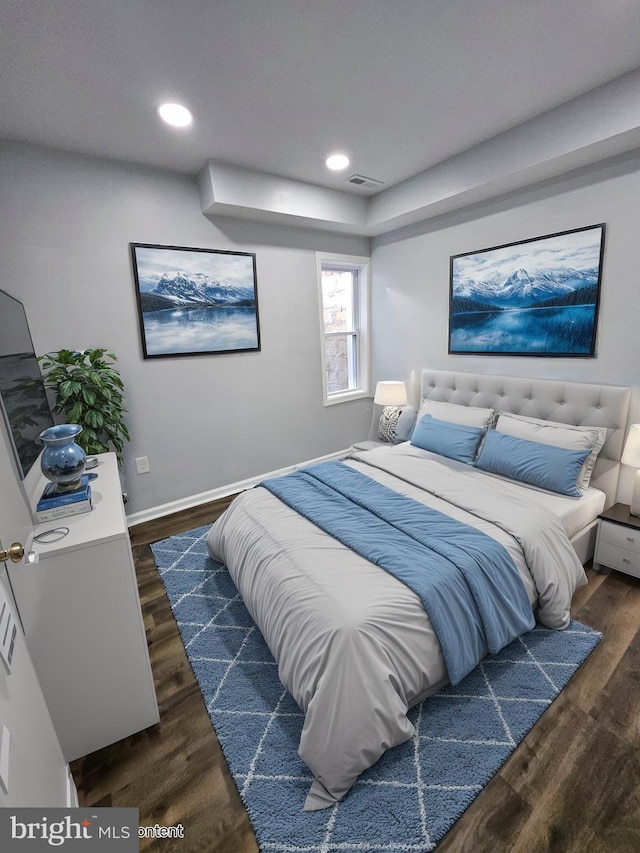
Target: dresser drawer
pixel 620 535
pixel 618 558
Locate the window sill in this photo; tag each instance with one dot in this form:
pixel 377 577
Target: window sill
pixel 346 397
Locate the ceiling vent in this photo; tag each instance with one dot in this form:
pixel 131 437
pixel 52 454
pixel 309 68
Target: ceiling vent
pixel 364 183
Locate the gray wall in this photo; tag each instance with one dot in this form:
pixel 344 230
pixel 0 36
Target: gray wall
pixel 410 298
pixel 208 421
pixel 205 421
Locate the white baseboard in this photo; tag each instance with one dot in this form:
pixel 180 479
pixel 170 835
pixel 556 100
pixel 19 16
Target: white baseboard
pixel 221 492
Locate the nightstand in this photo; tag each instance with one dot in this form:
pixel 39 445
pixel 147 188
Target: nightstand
pixel 618 541
pixel 369 445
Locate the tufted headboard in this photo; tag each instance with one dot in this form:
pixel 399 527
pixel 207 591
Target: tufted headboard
pixel 577 403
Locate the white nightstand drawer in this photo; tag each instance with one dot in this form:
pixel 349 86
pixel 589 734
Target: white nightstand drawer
pixel 618 558
pixel 620 536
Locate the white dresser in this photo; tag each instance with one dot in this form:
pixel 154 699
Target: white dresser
pixel 83 625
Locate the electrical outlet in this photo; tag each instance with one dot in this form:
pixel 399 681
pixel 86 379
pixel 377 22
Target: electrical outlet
pixel 142 465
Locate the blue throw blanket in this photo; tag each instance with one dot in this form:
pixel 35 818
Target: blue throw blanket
pixel 467 582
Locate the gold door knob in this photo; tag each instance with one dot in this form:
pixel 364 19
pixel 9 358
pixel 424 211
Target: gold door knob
pixel 14 552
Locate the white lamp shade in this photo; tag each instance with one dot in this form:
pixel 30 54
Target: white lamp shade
pixel 390 393
pixel 631 452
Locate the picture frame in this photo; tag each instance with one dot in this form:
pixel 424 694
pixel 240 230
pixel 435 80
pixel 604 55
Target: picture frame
pixel 195 301
pixel 535 297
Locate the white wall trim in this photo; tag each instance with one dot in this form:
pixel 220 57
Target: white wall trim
pixel 227 190
pixel 156 512
pixel 596 126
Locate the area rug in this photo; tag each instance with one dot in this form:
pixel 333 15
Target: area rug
pixel 414 794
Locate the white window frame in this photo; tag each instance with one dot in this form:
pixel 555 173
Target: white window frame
pixel 363 268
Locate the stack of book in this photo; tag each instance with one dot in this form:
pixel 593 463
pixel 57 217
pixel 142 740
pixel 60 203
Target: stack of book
pixel 56 504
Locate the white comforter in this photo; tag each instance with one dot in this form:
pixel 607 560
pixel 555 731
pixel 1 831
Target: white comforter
pixel 354 645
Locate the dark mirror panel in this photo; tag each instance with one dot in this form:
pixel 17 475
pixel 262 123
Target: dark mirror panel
pixel 24 400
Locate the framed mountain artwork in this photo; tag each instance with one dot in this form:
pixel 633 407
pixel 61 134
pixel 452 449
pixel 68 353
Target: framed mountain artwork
pixel 535 297
pixel 195 301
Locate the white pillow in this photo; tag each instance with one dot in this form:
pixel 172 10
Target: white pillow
pixel 404 426
pixel 558 435
pixel 466 415
pixel 398 426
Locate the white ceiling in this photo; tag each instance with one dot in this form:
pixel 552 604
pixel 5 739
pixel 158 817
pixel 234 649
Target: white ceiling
pixel 276 85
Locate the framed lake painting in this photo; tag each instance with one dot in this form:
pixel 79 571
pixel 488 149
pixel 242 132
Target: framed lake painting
pixel 195 301
pixel 535 297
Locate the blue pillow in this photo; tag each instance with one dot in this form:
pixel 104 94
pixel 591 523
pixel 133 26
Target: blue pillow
pixel 542 465
pixel 456 441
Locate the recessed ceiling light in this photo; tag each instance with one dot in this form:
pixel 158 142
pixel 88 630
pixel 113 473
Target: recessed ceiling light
pixel 337 162
pixel 175 114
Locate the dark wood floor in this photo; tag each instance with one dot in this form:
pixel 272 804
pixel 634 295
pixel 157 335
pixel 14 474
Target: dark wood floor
pixel 572 786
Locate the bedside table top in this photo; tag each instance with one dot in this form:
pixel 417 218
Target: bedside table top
pixel 370 444
pixel 619 514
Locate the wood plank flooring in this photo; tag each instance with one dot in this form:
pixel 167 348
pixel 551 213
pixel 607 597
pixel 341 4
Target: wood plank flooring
pixel 573 784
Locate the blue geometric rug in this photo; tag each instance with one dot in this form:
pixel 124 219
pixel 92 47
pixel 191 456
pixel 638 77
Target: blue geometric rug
pixel 414 794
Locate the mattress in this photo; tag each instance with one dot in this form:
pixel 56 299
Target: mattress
pixel 574 513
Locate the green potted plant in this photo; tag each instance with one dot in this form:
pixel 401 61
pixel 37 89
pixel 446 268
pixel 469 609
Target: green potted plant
pixel 88 391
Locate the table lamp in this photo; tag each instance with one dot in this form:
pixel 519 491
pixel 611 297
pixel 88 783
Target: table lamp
pixel 631 457
pixel 391 394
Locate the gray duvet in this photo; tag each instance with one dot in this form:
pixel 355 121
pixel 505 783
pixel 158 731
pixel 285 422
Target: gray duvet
pixel 354 646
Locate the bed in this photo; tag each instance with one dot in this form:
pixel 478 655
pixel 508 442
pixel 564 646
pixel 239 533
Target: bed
pixel 312 554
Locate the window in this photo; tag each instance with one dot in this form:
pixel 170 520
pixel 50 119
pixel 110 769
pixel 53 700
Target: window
pixel 343 291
